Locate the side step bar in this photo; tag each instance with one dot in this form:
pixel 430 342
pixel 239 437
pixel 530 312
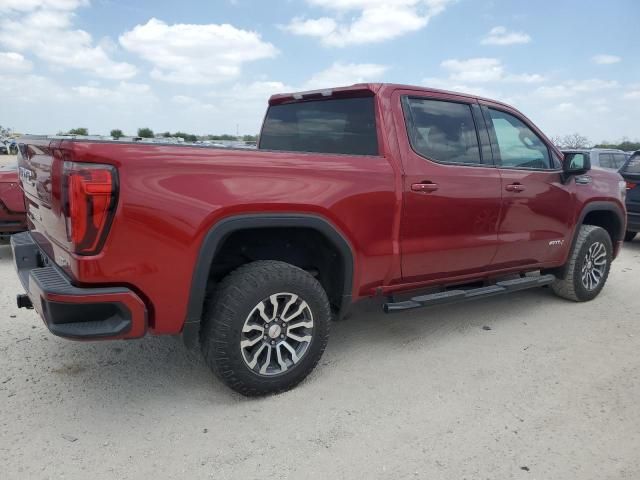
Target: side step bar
pixel 451 296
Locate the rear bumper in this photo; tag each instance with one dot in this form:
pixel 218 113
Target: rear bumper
pixel 633 222
pixel 73 312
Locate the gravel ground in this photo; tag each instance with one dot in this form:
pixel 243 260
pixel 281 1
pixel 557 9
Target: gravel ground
pixel 523 386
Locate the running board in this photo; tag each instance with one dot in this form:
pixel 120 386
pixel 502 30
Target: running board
pixel 451 296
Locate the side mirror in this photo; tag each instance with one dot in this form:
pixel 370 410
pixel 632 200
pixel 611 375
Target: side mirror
pixel 575 164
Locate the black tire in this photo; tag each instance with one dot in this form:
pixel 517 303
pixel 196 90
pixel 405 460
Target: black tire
pixel 234 303
pixel 629 236
pixel 572 286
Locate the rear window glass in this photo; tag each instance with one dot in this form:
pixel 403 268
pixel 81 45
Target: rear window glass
pixel 343 126
pixel 619 159
pixel 633 166
pixel 442 131
pixel 606 160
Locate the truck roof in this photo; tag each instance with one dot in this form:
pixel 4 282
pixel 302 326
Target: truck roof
pixel 360 88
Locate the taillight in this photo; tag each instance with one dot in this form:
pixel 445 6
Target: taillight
pixel 89 197
pixel 631 185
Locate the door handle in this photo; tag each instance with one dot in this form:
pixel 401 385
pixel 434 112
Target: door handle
pixel 424 187
pixel 515 187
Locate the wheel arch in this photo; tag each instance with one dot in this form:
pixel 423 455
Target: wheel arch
pixel 217 235
pixel 607 215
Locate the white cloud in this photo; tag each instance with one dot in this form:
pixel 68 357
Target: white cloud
pixel 13 62
pixel 195 54
pixel 502 36
pixel 374 20
pixel 30 5
pixel 452 86
pixel 481 70
pixel 572 88
pixel 123 93
pixel 341 74
pixel 318 27
pixel 604 59
pixel 633 93
pixel 45 29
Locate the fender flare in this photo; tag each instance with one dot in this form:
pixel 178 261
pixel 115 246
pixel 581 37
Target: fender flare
pixel 598 207
pixel 221 230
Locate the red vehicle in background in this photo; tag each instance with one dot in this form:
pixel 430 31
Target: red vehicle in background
pixel 353 192
pixel 12 211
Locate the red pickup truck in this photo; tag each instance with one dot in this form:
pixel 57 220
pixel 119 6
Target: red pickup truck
pixel 12 210
pixel 361 191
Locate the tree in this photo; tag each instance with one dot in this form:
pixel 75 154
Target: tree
pixel 166 134
pixel 575 140
pixel 117 133
pixel 186 136
pixel 625 144
pixel 145 133
pixel 79 131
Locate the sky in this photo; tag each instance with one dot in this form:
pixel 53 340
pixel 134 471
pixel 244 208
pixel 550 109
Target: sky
pixel 209 66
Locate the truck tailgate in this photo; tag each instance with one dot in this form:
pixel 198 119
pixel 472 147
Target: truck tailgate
pixel 40 169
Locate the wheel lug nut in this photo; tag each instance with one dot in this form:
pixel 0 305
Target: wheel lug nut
pixel 273 342
pixel 265 337
pixel 281 336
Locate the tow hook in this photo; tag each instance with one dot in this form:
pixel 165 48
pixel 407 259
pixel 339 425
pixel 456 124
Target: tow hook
pixel 24 301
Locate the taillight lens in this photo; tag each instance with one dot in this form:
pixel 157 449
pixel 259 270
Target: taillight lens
pixel 631 185
pixel 90 196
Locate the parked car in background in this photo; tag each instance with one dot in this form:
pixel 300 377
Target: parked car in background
pixel 12 211
pixel 608 158
pixel 631 174
pixel 4 148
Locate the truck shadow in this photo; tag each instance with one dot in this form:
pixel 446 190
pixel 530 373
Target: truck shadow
pixel 135 372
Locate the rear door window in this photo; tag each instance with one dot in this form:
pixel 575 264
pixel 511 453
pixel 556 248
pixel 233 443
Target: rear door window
pixel 619 159
pixel 606 160
pixel 343 126
pixel 442 131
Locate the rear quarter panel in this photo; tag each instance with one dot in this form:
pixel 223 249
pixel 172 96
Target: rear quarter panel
pixel 170 197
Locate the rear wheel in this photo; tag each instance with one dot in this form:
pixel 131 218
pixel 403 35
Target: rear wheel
pixel 588 267
pixel 629 236
pixel 265 327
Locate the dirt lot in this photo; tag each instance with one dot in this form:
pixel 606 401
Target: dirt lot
pixel 524 386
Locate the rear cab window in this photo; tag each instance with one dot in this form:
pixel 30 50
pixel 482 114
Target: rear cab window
pixel 339 126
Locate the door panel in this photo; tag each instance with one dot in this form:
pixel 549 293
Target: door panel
pixel 536 207
pixel 450 211
pixel 535 219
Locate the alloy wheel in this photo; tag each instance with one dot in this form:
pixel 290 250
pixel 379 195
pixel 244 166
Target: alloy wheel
pixel 276 334
pixel 594 266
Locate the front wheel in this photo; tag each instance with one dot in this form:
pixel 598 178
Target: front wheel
pixel 588 267
pixel 266 327
pixel 629 236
